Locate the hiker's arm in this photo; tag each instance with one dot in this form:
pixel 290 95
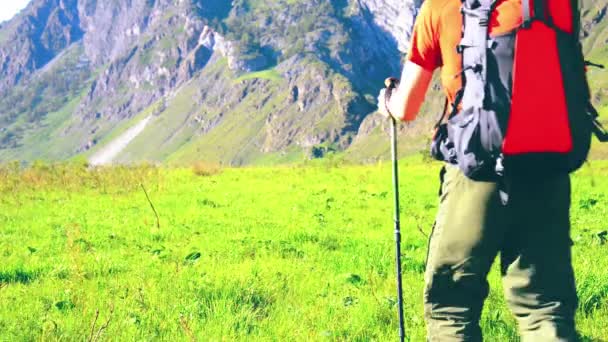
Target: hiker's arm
pixel 423 57
pixel 407 99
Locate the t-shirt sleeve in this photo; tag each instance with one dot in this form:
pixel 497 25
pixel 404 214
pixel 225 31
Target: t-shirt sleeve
pixel 424 47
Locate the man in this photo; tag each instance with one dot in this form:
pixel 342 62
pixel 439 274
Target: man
pixel 531 232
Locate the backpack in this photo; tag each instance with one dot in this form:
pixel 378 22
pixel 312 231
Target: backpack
pixel 524 108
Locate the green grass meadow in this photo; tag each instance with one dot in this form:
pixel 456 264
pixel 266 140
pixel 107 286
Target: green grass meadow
pixel 301 253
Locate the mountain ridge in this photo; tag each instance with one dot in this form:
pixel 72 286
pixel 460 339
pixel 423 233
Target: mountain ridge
pixel 240 82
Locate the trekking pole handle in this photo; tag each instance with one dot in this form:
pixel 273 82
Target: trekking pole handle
pixel 391 84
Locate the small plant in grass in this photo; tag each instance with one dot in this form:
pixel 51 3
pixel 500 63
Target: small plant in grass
pixel 206 169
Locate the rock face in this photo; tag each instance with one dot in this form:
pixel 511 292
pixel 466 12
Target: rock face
pixel 232 81
pixel 395 17
pixel 30 42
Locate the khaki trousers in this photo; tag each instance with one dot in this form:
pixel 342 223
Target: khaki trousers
pixel 532 235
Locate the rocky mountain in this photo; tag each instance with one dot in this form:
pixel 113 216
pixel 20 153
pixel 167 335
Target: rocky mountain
pixel 238 82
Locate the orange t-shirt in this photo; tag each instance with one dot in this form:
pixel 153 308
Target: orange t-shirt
pixel 438 31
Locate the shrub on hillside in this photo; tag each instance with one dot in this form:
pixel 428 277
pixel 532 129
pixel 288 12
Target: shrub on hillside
pixel 206 169
pixel 76 176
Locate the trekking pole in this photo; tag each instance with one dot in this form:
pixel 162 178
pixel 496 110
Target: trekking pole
pixel 391 84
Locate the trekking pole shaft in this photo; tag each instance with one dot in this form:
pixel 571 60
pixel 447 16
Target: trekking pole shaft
pixel 397 227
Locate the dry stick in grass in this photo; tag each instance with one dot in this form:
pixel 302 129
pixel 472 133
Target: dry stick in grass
pixel 422 231
pixel 186 328
pixel 419 226
pixel 104 326
pixel 151 205
pixel 373 286
pixel 93 326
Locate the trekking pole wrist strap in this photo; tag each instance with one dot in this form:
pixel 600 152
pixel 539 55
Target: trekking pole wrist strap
pixel 387 101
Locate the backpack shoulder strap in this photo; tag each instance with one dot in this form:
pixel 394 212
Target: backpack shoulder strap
pixel 527 14
pixel 473 47
pixel 576 18
pixel 539 10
